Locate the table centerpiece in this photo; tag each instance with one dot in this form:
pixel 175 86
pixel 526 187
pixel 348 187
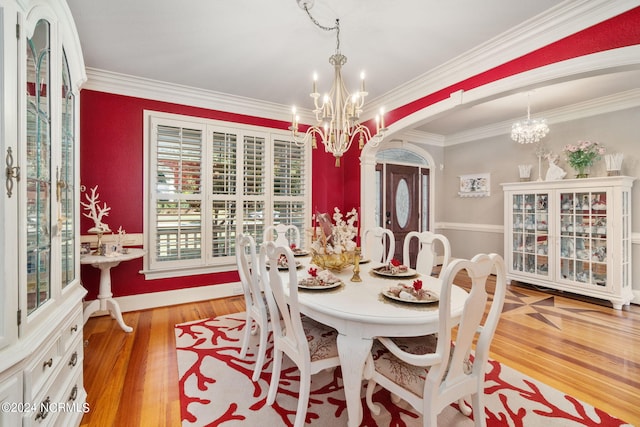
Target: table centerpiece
pixel 333 246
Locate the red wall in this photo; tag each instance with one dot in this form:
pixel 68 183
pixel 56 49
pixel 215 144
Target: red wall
pixel 112 149
pixel 111 156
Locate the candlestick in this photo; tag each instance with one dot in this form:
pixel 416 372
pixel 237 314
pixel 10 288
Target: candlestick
pixel 356 267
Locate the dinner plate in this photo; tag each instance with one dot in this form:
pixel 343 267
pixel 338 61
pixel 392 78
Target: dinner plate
pixel 364 261
pixel 389 295
pixel 409 273
pixel 282 267
pixel 317 288
pixel 300 252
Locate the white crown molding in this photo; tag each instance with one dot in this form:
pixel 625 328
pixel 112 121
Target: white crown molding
pixel 567 18
pixel 585 66
pixel 558 22
pixel 594 107
pixel 418 137
pixel 127 85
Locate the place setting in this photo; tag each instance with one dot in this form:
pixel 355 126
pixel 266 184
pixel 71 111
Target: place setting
pixel 284 265
pixel 394 269
pixel 413 293
pixel 319 280
pixel 299 252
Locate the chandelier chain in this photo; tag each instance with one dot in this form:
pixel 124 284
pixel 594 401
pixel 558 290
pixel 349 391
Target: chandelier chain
pixel 325 28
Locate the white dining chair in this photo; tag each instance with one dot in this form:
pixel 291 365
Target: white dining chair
pixel 309 344
pixel 431 372
pixel 379 245
pixel 257 315
pixel 282 235
pixel 427 256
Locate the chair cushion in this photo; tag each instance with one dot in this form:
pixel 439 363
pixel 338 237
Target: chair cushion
pixel 321 339
pixel 408 376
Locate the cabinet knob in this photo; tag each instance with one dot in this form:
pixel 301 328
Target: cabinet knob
pixel 74 359
pixel 74 394
pixel 48 363
pixel 44 409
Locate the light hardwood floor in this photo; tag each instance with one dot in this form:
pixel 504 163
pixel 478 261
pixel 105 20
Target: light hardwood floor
pixel 583 348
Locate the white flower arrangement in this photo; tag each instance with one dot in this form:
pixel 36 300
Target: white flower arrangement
pixel 338 237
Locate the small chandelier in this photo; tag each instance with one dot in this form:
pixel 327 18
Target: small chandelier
pixel 337 112
pixel 530 130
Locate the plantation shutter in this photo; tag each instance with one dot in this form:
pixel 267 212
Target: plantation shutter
pixel 254 185
pixel 289 183
pixel 224 186
pixel 207 181
pixel 178 194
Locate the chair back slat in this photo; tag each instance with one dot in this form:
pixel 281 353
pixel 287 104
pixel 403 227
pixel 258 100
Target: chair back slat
pixel 291 333
pixel 285 235
pixel 427 254
pixel 379 245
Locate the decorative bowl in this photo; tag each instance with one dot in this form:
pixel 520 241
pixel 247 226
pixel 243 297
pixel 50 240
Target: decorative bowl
pixel 335 262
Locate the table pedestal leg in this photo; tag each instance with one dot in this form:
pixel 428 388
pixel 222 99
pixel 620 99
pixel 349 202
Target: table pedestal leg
pixel 114 309
pixel 105 302
pixel 353 354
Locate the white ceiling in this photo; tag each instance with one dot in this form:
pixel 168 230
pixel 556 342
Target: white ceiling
pixel 268 50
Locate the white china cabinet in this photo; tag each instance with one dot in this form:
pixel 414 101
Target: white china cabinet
pixel 572 235
pixel 41 345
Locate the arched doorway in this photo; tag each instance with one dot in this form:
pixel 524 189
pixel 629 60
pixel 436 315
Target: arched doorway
pixel 400 196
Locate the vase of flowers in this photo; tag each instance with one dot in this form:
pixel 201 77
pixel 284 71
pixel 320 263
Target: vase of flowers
pixel 333 246
pixel 582 155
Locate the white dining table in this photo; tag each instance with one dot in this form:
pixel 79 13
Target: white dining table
pixel 360 312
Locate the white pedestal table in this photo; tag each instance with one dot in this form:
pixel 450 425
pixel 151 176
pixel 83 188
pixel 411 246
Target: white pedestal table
pixel 105 301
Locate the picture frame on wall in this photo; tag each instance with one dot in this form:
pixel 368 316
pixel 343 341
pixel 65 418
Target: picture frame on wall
pixel 475 185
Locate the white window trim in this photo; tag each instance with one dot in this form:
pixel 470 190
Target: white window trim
pixel 208 264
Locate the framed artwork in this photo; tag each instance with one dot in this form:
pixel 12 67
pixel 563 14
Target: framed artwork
pixel 475 185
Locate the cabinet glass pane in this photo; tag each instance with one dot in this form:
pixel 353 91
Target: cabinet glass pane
pixel 66 178
pixel 38 176
pixel 583 237
pixel 530 219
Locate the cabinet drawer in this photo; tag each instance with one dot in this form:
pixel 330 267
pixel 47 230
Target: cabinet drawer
pixel 58 398
pixel 74 398
pixel 40 370
pixel 71 330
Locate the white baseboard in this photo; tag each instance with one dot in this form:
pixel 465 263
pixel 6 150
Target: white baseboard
pixel 179 296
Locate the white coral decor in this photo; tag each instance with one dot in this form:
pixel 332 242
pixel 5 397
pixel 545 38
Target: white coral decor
pixel 96 212
pixel 341 238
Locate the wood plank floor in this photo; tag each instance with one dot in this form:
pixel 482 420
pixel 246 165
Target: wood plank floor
pixel 583 348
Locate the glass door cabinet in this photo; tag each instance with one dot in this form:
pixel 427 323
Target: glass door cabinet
pixel 572 235
pixel 41 345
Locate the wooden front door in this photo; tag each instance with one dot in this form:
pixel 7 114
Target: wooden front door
pixel 403 202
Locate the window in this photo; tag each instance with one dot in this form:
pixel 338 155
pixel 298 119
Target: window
pixel 207 181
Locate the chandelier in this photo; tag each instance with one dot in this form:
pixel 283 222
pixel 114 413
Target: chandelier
pixel 530 130
pixel 337 112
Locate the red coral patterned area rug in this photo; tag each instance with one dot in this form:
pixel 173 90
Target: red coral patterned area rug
pixel 216 390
